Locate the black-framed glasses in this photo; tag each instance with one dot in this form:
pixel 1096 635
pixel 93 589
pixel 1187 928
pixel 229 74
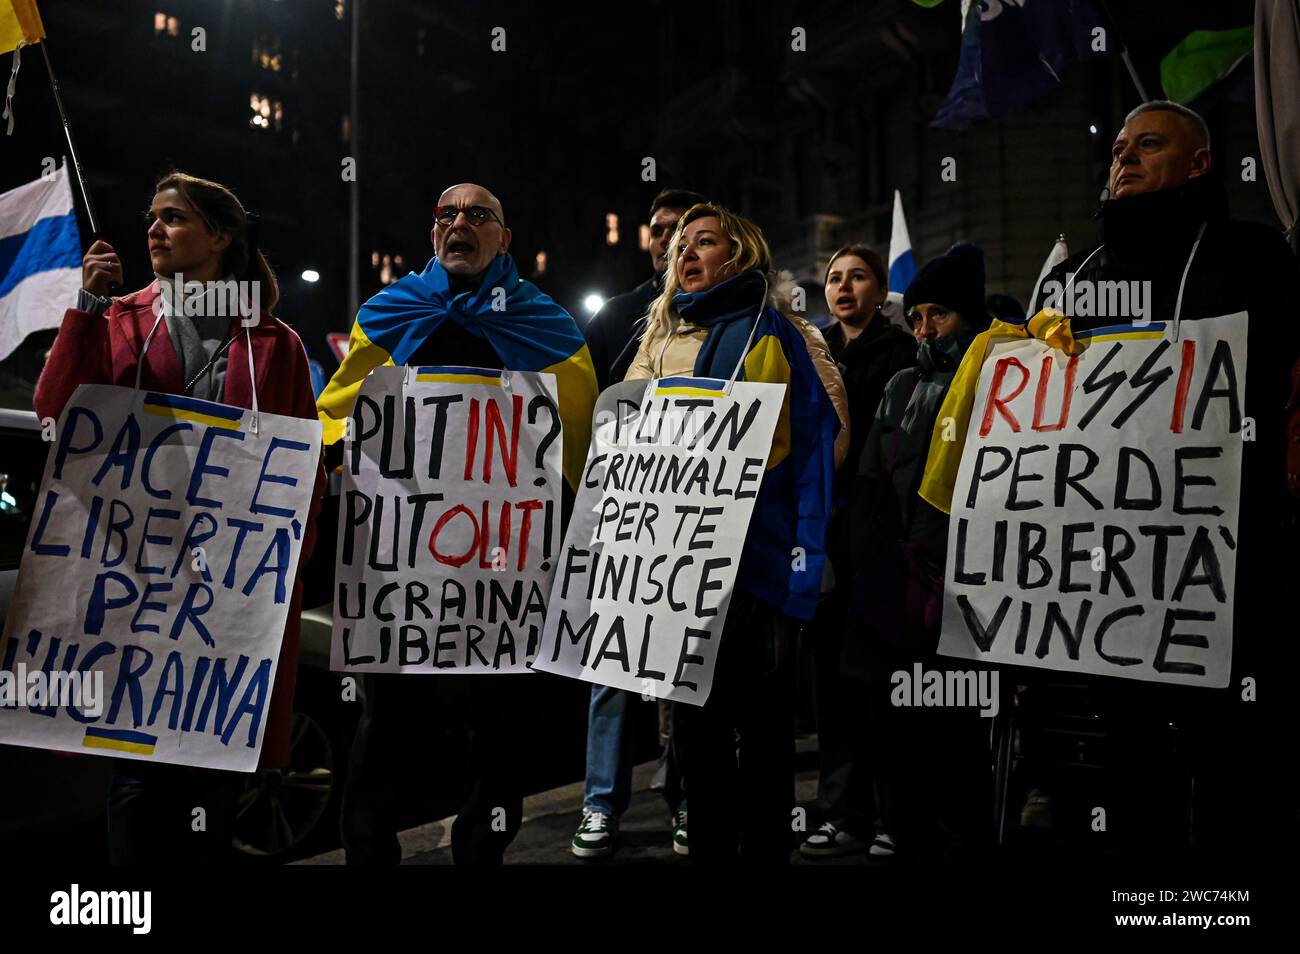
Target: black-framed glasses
pixel 475 214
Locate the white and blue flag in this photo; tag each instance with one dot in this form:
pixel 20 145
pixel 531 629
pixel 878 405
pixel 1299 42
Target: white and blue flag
pixel 902 266
pixel 40 258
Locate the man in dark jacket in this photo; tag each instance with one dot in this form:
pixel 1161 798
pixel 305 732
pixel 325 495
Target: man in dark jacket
pixel 613 332
pixel 1166 223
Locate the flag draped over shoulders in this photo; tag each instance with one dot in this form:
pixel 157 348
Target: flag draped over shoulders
pixel 526 328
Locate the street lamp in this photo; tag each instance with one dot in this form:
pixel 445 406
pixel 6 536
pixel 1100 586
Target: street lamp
pixel 592 303
pixel 311 275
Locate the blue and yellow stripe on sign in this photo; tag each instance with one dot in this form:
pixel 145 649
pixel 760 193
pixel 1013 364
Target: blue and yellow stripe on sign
pixel 455 375
pixel 119 740
pixel 191 409
pixel 695 387
pixel 1152 332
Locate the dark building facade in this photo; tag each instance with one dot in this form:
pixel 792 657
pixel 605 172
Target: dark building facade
pixel 576 114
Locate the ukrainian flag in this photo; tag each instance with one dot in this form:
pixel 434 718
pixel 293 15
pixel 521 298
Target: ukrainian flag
pixel 1151 332
pixel 449 374
pixel 180 408
pixel 119 740
pixel 692 387
pixel 528 331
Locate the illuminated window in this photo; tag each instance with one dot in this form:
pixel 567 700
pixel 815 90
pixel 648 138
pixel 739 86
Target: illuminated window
pixel 390 267
pixel 267 53
pixel 266 112
pixel 541 262
pixel 644 237
pixel 611 228
pixel 162 23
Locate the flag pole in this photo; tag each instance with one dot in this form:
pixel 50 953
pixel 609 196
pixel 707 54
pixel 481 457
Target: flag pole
pixel 72 146
pixel 1123 52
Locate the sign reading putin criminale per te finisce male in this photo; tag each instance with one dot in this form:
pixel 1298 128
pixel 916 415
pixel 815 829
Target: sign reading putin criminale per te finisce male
pixel 648 564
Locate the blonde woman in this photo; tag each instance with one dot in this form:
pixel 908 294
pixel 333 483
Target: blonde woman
pixel 720 308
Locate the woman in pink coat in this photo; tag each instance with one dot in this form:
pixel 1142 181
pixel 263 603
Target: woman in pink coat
pixel 197 229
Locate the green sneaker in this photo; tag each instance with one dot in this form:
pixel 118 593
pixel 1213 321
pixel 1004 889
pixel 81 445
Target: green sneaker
pixel 680 843
pixel 595 836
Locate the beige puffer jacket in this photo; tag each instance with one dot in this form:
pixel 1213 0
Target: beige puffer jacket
pixel 660 357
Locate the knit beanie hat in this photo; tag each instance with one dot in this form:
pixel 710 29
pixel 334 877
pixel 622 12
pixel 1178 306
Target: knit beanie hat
pixel 955 280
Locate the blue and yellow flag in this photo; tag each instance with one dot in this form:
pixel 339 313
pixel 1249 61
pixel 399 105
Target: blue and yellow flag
pixel 20 24
pixel 528 331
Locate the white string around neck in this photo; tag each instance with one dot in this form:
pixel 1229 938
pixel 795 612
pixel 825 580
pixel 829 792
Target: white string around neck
pixel 252 374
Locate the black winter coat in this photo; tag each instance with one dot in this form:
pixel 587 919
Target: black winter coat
pixel 613 332
pixel 1238 266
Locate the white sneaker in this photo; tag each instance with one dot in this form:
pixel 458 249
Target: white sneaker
pixel 883 846
pixel 831 841
pixel 596 835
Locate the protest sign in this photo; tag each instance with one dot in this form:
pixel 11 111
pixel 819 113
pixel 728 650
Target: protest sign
pixel 647 567
pixel 162 554
pixel 1094 521
pixel 448 522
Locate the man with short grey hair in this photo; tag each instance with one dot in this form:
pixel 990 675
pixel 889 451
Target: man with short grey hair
pixel 1166 232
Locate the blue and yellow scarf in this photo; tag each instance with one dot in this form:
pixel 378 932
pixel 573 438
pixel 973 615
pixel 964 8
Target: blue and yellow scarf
pixel 528 331
pixel 785 549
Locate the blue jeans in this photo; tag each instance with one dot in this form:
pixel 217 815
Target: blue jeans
pixel 609 757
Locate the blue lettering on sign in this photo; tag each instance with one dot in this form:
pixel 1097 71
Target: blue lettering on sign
pixel 75 416
pixel 202 467
pixel 125 446
pixel 264 477
pixel 47 549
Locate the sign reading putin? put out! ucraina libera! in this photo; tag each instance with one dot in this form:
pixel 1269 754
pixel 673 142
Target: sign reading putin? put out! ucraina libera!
pixel 449 521
pixel 1094 518
pixel 160 562
pixel 649 562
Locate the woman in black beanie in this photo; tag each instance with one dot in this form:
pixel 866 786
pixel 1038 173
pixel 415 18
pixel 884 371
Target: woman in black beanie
pixel 931 765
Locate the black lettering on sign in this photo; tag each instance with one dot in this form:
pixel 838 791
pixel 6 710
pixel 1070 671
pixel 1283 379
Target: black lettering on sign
pixel 1220 363
pixel 1122 499
pixel 1183 480
pixel 1168 638
pixel 979 476
pixel 1104 627
pixel 1072 635
pixel 983 635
